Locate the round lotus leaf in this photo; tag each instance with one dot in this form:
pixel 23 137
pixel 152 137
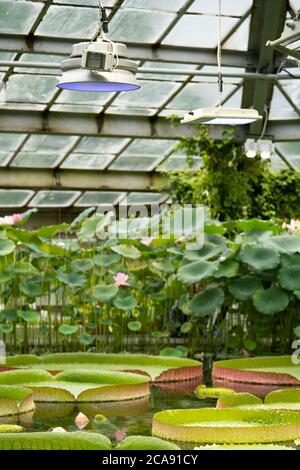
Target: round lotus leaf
pixel 105 292
pixel 6 247
pixel 82 265
pixel 208 251
pixel 285 243
pixel 68 330
pixel 207 302
pixel 244 288
pixel 289 260
pixel 259 257
pixel 196 272
pixel 106 260
pixel 270 301
pixel 228 269
pixel 134 325
pixel 289 278
pixel 29 316
pixel 125 301
pixel 127 251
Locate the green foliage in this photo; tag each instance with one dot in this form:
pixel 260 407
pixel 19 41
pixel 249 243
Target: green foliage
pixel 231 185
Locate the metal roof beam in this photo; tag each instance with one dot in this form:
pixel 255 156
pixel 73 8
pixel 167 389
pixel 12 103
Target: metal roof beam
pixel 184 55
pixel 36 179
pixel 267 23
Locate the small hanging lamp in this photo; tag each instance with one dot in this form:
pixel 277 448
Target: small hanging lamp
pixel 219 115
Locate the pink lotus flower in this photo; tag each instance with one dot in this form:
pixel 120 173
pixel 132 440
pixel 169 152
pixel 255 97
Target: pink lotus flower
pixel 147 241
pixel 81 421
pixel 120 434
pixel 121 280
pixel 10 219
pixel 292 227
pixel 59 429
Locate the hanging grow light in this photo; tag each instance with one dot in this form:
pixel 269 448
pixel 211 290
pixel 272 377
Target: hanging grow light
pixel 99 65
pixel 219 115
pixel 289 42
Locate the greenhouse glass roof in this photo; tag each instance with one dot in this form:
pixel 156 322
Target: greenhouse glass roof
pixel 60 148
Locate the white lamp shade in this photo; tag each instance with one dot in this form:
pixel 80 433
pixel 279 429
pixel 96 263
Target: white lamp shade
pixel 86 80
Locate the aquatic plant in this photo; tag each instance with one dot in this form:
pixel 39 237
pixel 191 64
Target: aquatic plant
pixel 145 443
pixel 227 426
pixel 15 400
pixel 244 447
pixel 54 441
pixel 79 386
pixel 287 399
pixel 10 428
pixel 202 392
pixel 160 369
pixel 278 370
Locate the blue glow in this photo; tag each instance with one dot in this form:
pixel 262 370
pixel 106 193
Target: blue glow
pixel 98 86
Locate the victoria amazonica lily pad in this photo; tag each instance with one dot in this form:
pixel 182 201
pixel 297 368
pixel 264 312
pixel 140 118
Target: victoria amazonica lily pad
pixel 15 400
pixel 244 447
pixel 227 426
pixel 202 392
pixel 160 369
pixel 288 399
pixel 54 441
pixel 79 386
pixel 278 370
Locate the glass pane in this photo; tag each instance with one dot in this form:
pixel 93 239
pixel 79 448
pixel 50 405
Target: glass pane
pixel 181 163
pixel 229 7
pixel 40 58
pixel 165 65
pixel 104 145
pixel 14 198
pixel 97 198
pixel 290 150
pixel 30 89
pixel 152 94
pixel 18 16
pixel 36 160
pixel 153 147
pixel 80 97
pixel 84 161
pixel 10 141
pixel 82 3
pixel 130 25
pixel 281 108
pixel 240 38
pixel 277 163
pixel 145 198
pixel 196 95
pixel 68 22
pixel 142 163
pixel 198 31
pixel 54 198
pixel 49 143
pixel 168 5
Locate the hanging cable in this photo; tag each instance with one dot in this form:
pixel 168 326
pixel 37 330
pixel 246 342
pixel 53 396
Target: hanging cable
pixel 219 53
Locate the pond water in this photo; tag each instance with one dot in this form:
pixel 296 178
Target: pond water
pixel 123 418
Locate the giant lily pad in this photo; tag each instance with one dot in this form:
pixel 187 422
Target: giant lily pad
pixel 146 443
pixel 160 369
pixel 287 399
pixel 15 400
pixel 244 447
pixel 278 370
pixel 79 386
pixel 54 441
pixel 227 426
